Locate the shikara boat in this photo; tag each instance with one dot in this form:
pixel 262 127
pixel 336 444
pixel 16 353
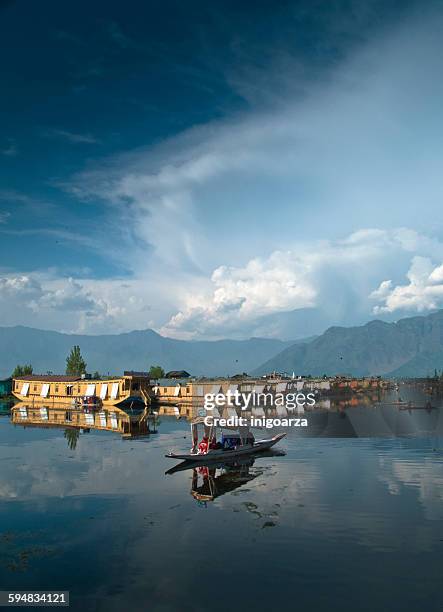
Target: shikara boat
pixel 230 446
pixel 221 463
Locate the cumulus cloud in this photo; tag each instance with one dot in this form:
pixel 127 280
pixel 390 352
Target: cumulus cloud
pixel 423 292
pixel 20 286
pixel 262 287
pixel 338 273
pixel 35 298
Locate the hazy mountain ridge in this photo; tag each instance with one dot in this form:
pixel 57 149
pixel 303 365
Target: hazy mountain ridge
pixel 410 347
pixel 138 350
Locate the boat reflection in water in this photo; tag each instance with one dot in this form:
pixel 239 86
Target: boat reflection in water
pixel 132 422
pixel 213 479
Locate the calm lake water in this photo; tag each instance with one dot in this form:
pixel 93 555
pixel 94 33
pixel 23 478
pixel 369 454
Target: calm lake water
pixel 338 523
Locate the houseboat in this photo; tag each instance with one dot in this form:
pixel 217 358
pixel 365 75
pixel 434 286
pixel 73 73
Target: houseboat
pixel 5 387
pixel 185 396
pixel 112 391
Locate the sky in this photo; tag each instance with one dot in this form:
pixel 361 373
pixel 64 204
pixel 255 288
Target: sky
pixel 220 170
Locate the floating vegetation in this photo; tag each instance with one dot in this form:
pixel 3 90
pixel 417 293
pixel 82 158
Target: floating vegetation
pixel 252 508
pixel 17 553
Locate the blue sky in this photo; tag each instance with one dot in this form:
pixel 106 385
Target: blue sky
pixel 219 169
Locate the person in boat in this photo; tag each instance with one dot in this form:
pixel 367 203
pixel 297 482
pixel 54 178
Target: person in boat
pixel 214 445
pixel 203 447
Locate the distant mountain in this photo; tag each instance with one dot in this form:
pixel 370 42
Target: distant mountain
pixel 137 350
pixel 409 347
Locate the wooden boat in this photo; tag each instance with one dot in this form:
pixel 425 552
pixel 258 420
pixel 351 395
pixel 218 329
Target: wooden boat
pixel 233 446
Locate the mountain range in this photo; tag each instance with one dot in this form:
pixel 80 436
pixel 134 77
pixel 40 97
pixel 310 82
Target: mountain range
pixel 410 347
pixel 136 350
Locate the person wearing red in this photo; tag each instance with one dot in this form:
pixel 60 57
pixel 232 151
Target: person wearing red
pixel 203 446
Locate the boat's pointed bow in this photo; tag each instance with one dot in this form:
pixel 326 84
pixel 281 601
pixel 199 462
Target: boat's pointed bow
pixel 280 435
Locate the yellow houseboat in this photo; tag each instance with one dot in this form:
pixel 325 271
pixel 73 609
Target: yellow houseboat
pixel 128 424
pixel 192 394
pixel 64 389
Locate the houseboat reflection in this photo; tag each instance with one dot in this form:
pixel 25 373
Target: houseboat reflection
pixel 130 422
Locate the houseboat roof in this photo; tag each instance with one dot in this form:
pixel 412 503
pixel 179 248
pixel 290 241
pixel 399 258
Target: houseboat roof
pixel 136 374
pixel 177 374
pixel 49 378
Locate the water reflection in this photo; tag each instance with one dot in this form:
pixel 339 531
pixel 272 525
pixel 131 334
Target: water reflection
pixel 402 410
pixel 130 423
pixel 344 520
pixel 215 478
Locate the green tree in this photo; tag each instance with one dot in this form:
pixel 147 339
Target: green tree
pixel 75 364
pixel 22 370
pixel 96 375
pixel 156 372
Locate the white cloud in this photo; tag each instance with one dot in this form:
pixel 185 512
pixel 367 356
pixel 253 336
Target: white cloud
pixel 4 216
pixel 335 280
pixel 262 287
pixel 75 138
pixel 39 299
pixel 22 287
pixel 424 291
pixel 311 275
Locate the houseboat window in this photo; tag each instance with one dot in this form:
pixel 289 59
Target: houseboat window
pixel 68 416
pixel 56 388
pixel 69 389
pixel 35 387
pixel 136 386
pixel 188 390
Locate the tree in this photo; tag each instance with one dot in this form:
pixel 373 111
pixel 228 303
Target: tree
pixel 96 375
pixel 75 364
pixel 22 370
pixel 156 372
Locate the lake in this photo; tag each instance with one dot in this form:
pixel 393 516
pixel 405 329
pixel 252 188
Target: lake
pixel 350 518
